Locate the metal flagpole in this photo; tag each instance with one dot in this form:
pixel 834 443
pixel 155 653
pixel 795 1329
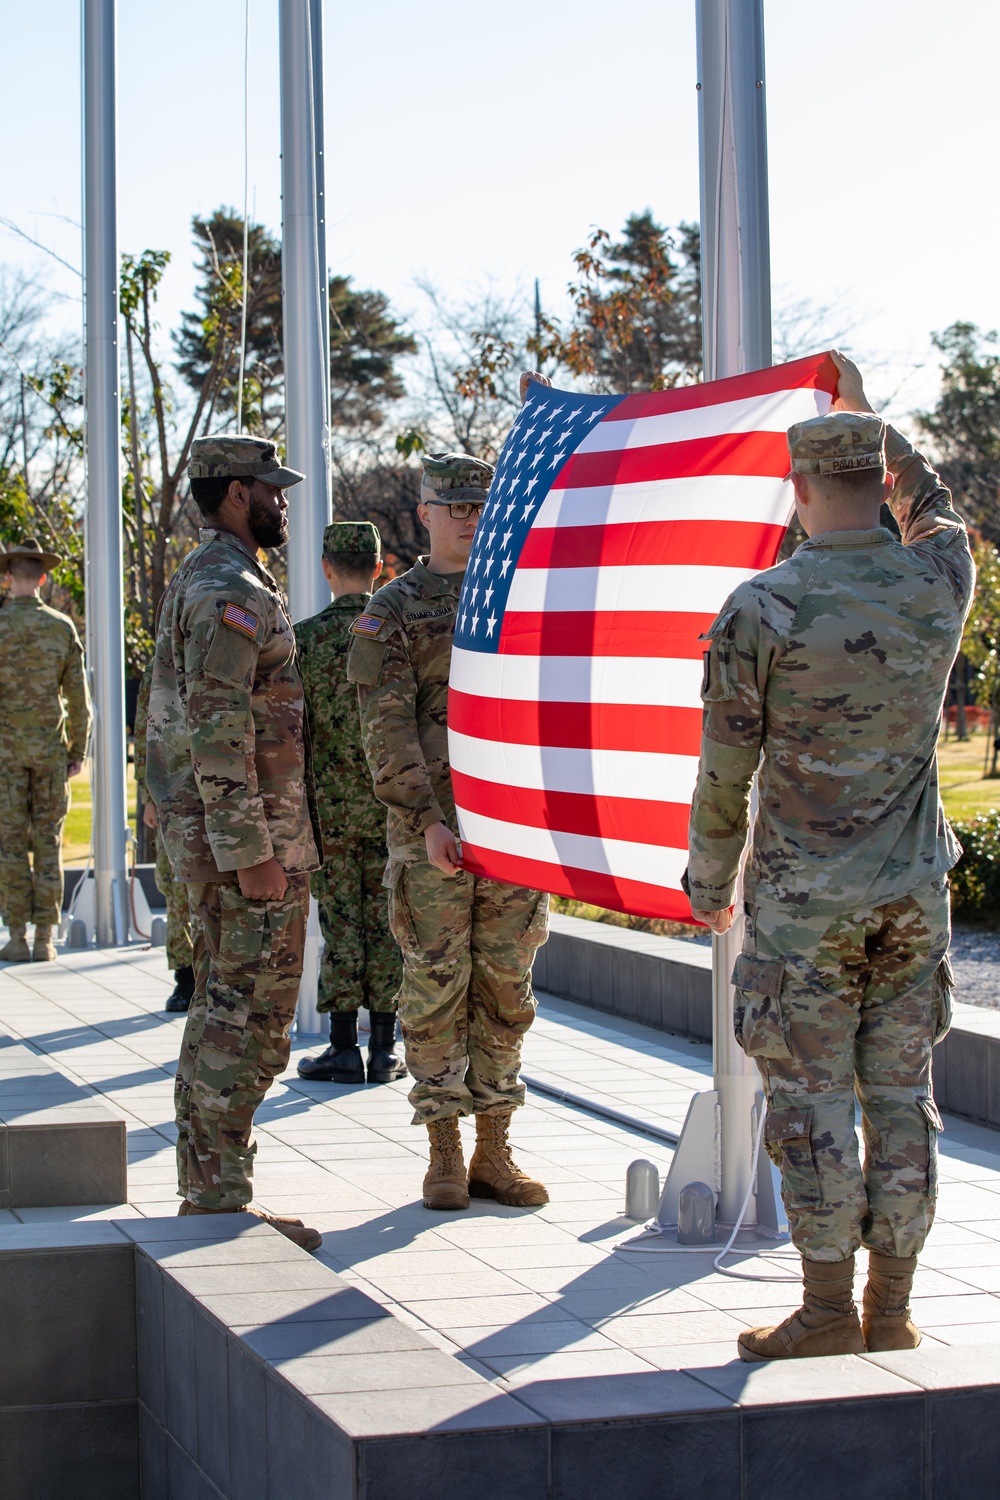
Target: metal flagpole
pixel 716 1145
pixel 306 324
pixel 104 597
pixel 306 419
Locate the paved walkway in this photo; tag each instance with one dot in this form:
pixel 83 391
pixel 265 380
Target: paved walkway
pixel 520 1296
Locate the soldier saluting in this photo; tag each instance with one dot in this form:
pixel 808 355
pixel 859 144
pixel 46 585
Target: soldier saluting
pixel 467 943
pixel 226 769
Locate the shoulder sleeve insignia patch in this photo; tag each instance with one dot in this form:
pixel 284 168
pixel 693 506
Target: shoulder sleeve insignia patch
pixel 241 620
pixel 367 625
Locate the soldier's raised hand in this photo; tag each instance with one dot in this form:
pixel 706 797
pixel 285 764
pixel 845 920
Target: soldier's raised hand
pixel 850 385
pixel 529 377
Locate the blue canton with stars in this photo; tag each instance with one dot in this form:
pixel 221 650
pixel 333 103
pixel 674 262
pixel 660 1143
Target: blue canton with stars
pixel 549 428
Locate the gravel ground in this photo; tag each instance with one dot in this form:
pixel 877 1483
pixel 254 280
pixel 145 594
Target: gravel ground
pixel 975 957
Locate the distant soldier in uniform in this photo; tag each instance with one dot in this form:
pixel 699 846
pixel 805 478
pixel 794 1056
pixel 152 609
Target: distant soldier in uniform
pixel 180 959
pixel 833 666
pixel 467 943
pixel 44 728
pixel 361 964
pixel 225 766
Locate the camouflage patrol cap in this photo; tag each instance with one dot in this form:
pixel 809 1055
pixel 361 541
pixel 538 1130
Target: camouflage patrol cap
pixel 342 538
pixel 450 477
pixel 842 442
pixel 231 457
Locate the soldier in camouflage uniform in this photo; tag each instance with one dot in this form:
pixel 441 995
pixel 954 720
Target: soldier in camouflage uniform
pixel 180 959
pixel 830 669
pixel 44 727
pixel 226 768
pixel 467 942
pixel 361 965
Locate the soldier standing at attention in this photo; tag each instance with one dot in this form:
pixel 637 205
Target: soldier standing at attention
pixel 226 768
pixel 180 958
pixel 467 943
pixel 361 965
pixel 830 670
pixel 44 727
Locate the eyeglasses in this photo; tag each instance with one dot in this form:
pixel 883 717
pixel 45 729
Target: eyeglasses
pixel 463 509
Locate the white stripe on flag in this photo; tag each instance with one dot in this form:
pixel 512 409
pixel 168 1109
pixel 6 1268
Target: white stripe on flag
pixel 774 413
pixel 679 590
pixel 659 681
pixel 626 861
pixel 707 498
pixel 599 773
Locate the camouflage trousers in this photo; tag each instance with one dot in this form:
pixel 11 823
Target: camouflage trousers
pixel 361 964
pixel 34 801
pixel 179 950
pixel 839 1009
pixel 465 1001
pixel 248 963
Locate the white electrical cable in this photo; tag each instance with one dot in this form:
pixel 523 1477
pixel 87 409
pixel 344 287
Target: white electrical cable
pixel 246 226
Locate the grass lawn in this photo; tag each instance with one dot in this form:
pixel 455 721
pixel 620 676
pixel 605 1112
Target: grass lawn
pixel 963 789
pixel 76 834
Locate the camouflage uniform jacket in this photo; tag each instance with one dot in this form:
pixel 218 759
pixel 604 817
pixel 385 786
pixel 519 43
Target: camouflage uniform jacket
pixel 835 665
pixel 400 657
pixel 44 703
pixel 225 742
pixel 139 731
pixel 347 807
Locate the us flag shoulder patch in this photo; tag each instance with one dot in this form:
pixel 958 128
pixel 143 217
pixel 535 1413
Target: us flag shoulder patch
pixel 367 625
pixel 240 619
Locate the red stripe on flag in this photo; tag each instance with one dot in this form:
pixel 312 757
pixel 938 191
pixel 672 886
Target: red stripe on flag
pixel 629 819
pixel 573 632
pixel 817 371
pixel 729 544
pixel 634 896
pixel 577 726
pixel 755 454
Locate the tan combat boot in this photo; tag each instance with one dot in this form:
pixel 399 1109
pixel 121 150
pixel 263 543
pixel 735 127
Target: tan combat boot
pixel 445 1185
pixel 16 951
pixel 493 1172
pixel 826 1323
pixel 885 1314
pixel 44 951
pixel 292 1229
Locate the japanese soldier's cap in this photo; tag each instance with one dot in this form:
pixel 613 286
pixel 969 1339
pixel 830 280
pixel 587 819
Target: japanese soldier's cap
pixel 31 547
pixel 347 538
pixel 842 442
pixel 451 477
pixel 239 458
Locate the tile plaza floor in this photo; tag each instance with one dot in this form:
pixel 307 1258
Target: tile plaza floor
pixel 518 1296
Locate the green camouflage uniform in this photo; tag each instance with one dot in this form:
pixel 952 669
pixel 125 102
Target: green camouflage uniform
pixel 44 724
pixel 361 964
pixel 467 942
pixel 174 892
pixel 226 769
pixel 834 664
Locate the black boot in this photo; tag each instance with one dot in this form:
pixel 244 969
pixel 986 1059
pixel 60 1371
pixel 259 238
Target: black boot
pixel 341 1062
pixel 383 1064
pixel 183 993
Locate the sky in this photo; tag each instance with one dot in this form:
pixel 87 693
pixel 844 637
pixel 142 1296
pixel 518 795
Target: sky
pixel 468 143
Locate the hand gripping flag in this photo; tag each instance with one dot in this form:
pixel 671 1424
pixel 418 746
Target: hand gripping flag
pixel 614 530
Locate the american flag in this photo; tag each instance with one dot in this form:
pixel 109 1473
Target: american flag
pixel 614 530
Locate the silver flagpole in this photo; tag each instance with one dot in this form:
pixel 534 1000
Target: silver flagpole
pixel 105 605
pixel 319 133
pixel 716 1144
pixel 306 419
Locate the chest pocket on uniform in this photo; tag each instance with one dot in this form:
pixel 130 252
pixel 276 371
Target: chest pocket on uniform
pixel 718 683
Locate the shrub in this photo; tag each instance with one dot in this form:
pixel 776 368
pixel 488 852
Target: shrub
pixel 975 880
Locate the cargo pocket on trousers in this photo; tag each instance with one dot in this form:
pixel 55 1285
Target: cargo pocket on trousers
pixel 400 918
pixel 536 932
pixel 789 1143
pixel 758 1018
pixel 244 930
pixel 944 985
pixel 935 1125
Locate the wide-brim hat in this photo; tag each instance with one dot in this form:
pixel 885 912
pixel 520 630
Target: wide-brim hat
pixel 30 547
